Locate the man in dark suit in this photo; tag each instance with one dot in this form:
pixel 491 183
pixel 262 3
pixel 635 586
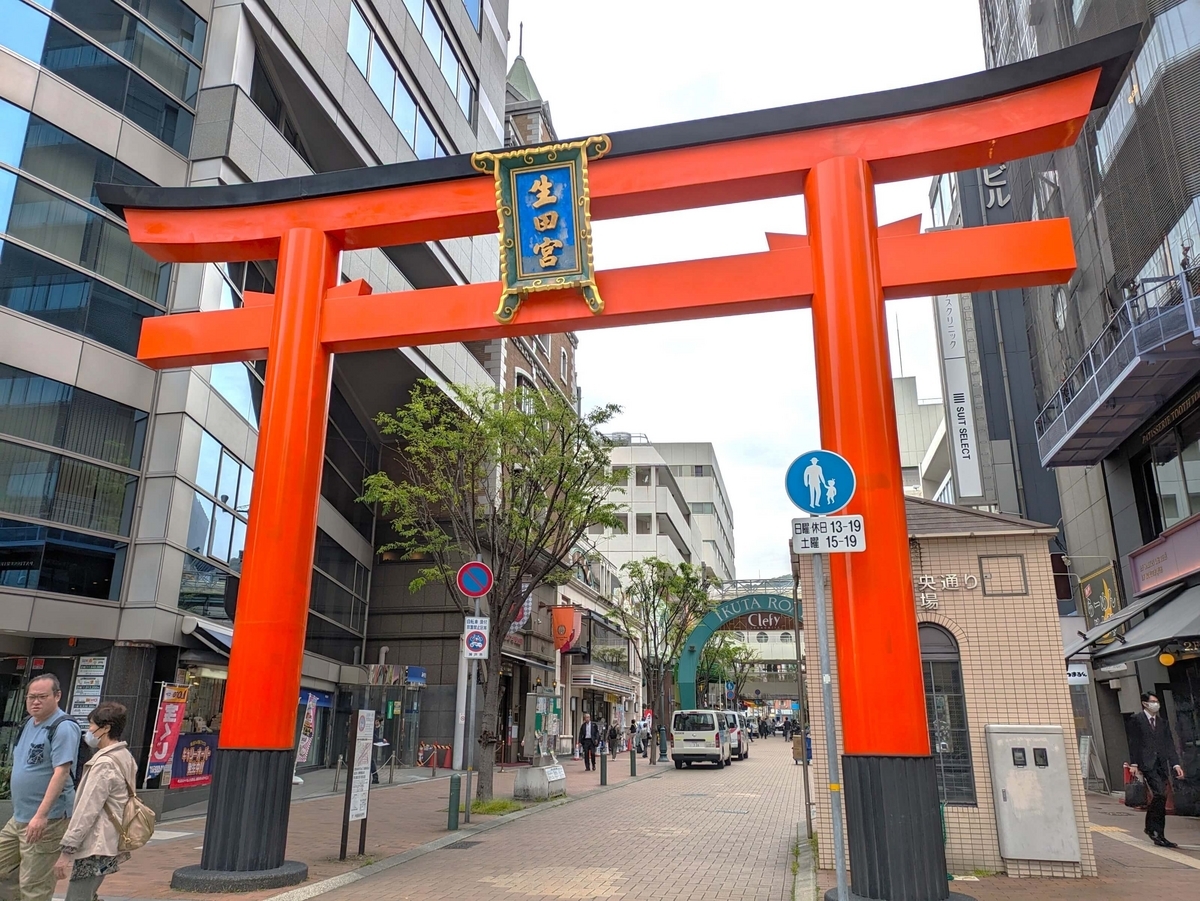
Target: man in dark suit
pixel 1151 752
pixel 589 738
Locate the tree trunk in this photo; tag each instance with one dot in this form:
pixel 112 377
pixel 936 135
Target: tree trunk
pixel 490 734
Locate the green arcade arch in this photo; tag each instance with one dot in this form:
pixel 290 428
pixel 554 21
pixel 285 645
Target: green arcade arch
pixel 689 659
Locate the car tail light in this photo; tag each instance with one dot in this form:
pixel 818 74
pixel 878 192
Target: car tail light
pixel 717 740
pixel 671 738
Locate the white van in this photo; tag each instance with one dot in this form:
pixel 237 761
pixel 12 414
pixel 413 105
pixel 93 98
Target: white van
pixel 739 734
pixel 698 736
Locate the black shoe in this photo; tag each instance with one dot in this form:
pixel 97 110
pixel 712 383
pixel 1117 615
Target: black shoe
pixel 1163 842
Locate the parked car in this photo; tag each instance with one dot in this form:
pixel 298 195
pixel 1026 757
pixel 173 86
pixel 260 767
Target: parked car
pixel 699 736
pixel 739 734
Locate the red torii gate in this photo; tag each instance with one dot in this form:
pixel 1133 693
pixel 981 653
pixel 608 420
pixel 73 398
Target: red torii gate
pixel 833 152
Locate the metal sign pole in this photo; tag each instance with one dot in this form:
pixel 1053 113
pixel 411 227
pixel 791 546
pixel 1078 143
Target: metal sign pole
pixel 469 731
pixel 351 741
pixel 835 788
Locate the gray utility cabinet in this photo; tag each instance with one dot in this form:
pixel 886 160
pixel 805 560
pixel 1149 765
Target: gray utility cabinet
pixel 1035 815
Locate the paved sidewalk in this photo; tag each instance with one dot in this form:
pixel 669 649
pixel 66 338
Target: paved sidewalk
pixel 1130 867
pixel 699 833
pixel 402 817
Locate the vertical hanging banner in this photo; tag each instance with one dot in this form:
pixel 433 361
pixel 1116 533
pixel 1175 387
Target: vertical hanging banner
pixel 167 726
pixel 307 730
pixel 544 206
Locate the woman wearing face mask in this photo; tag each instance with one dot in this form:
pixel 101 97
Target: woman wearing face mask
pixel 89 847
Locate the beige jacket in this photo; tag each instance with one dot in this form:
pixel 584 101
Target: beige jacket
pixel 105 783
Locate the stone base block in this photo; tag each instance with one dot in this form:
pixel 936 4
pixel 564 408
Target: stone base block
pixel 539 783
pixel 195 879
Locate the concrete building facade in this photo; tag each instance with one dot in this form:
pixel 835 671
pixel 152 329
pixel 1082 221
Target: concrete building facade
pixel 127 490
pixel 1114 365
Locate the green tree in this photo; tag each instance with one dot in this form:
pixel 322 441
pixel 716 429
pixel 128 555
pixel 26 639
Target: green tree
pixel 512 477
pixel 725 660
pixel 659 606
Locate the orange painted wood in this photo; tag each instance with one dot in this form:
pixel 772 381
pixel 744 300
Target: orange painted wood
pixel 272 613
pixel 1022 254
pixel 875 621
pixel 1017 125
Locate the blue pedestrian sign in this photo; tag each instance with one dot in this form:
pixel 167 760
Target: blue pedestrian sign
pixel 820 482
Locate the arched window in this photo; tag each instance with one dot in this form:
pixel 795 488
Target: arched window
pixel 946 709
pixel 785 637
pixel 740 636
pixel 761 638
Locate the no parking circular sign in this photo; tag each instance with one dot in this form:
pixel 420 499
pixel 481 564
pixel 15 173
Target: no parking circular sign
pixel 475 579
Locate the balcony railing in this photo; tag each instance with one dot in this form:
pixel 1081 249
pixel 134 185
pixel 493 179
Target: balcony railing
pixel 1169 308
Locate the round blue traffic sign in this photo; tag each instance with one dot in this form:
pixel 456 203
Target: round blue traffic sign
pixel 476 641
pixel 475 579
pixel 820 482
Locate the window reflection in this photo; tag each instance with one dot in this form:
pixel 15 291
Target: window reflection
pixel 210 463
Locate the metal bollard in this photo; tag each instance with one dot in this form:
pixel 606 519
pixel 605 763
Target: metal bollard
pixel 604 767
pixel 632 761
pixel 455 792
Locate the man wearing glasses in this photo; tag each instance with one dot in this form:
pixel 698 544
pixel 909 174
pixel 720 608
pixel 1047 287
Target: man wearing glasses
pixel 43 790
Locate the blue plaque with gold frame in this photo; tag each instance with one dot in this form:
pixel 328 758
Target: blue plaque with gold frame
pixel 544 208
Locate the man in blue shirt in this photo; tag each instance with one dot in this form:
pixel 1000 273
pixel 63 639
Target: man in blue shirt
pixel 43 791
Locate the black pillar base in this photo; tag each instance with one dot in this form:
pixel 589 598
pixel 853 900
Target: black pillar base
pixel 893 817
pixel 245 833
pixel 831 895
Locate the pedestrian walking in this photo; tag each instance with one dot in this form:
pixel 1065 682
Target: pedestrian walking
pixel 1152 752
pixel 589 738
pixel 614 736
pixel 90 849
pixel 42 789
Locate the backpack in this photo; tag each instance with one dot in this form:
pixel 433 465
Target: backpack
pixel 137 822
pixel 82 755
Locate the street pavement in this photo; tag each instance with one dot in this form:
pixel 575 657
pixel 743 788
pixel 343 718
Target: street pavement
pixel 689 834
pixel 695 833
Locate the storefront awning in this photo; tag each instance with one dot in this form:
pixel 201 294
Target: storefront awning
pixel 1179 620
pixel 528 661
pixel 212 636
pixel 1119 618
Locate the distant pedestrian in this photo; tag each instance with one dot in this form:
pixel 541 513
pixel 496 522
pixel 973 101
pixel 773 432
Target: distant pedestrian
pixel 614 736
pixel 589 738
pixel 42 788
pixel 90 847
pixel 1152 752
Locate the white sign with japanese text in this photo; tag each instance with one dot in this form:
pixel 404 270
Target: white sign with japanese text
pixel 829 535
pixel 360 786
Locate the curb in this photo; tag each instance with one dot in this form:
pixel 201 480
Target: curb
pixel 304 892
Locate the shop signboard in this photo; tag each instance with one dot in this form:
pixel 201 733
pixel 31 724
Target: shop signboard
pixel 89 680
pixel 192 763
pixel 167 726
pixel 307 730
pixel 360 780
pixel 1101 600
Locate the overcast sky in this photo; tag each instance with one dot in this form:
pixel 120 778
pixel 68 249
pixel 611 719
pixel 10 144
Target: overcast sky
pixel 745 383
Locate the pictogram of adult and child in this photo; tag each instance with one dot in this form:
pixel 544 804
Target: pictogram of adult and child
pixel 814 481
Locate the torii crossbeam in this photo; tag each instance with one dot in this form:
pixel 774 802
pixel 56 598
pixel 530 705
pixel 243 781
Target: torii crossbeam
pixel 833 152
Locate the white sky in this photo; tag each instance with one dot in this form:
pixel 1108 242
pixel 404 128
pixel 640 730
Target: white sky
pixel 746 384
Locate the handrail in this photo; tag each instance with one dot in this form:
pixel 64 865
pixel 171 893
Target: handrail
pixel 1130 332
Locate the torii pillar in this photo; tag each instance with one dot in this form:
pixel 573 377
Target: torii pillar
pixel 833 152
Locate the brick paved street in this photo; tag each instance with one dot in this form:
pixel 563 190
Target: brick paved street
pixel 1130 866
pixel 401 817
pixel 695 833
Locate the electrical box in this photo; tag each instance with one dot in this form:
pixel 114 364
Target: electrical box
pixel 1035 814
